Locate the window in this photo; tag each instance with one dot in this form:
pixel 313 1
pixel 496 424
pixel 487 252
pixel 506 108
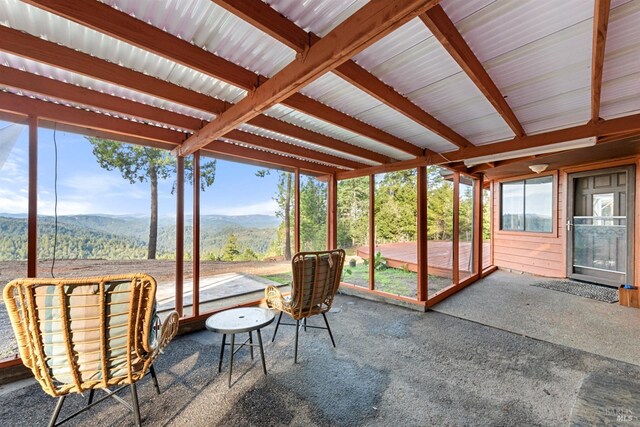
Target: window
pixel 527 205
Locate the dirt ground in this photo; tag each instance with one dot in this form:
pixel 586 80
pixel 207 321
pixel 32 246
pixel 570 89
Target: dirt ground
pixel 161 270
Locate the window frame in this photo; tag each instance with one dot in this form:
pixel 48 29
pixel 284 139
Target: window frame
pixel 554 205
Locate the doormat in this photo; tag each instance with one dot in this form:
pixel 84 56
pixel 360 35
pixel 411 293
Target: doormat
pixel 587 290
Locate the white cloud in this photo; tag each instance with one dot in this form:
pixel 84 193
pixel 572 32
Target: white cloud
pixel 105 185
pixel 268 207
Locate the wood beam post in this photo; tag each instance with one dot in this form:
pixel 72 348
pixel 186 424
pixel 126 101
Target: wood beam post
pixel 423 259
pixel 32 224
pixel 446 32
pixel 456 228
pixel 366 26
pixel 600 24
pixel 296 210
pixel 196 235
pixel 477 226
pixel 332 212
pixel 180 236
pixel 372 231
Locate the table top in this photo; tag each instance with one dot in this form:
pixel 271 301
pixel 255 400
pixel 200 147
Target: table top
pixel 237 320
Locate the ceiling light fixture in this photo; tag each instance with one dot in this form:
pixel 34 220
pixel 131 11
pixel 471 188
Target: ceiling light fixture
pixel 551 148
pixel 539 168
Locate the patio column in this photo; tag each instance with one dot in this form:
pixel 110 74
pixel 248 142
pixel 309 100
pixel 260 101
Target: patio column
pixel 423 264
pixel 32 227
pixel 195 298
pixel 296 212
pixel 456 228
pixel 332 212
pixel 179 235
pixel 372 230
pixel 477 227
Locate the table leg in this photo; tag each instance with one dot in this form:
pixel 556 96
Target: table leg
pixel 264 365
pixel 251 343
pixel 224 340
pixel 233 336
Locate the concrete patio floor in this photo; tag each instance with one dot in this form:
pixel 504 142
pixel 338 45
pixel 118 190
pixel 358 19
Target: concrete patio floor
pixel 391 366
pixel 507 301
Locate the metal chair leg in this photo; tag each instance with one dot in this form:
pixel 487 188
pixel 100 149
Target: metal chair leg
pixel 233 337
pixel 295 353
pixel 56 412
pixel 251 344
pixel 224 340
pixel 264 365
pixel 304 322
pixel 277 324
pixel 154 378
pixel 329 329
pixel 136 407
pixel 91 393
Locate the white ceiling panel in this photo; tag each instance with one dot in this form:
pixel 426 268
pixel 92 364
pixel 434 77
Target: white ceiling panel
pixel 317 16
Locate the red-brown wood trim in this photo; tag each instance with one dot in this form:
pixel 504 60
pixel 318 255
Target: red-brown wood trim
pixel 267 19
pixel 224 148
pixel 332 213
pixel 456 228
pixel 103 18
pixel 291 149
pixel 296 211
pixel 423 265
pixel 446 32
pixel 74 116
pixel 478 218
pixel 32 221
pixel 390 167
pixel 83 96
pixel 323 112
pixel 31 47
pixel 450 290
pixel 367 82
pixel 365 291
pixel 294 131
pixel 196 235
pixel 600 24
pixel 370 23
pixel 179 288
pixel 372 230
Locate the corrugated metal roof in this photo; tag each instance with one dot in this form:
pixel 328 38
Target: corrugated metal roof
pixel 295 141
pixel 98 85
pixel 211 27
pixel 317 16
pixel 37 22
pixel 621 74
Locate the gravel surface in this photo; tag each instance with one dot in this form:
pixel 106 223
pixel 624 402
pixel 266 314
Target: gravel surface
pixel 392 366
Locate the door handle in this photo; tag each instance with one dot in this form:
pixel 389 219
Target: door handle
pixel 569 225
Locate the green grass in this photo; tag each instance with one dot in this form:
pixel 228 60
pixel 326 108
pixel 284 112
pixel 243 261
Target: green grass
pixel 283 278
pixel 392 280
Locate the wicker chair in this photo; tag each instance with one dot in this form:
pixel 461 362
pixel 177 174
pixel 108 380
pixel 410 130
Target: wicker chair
pixel 84 334
pixel 316 278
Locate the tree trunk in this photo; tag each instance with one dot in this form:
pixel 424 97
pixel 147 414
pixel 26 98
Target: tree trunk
pixel 287 219
pixel 153 224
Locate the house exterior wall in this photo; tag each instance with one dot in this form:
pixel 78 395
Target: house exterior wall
pixel 545 254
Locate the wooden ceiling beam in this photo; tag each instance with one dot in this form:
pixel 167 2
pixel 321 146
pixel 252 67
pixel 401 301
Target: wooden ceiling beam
pixel 323 112
pixel 77 94
pixel 446 32
pixel 78 117
pixel 31 47
pixel 367 82
pixel 124 27
pixel 271 22
pixel 600 24
pixel 290 149
pixel 105 19
pixel 366 26
pixel 294 131
pixel 629 125
pixel 225 148
pixel 268 20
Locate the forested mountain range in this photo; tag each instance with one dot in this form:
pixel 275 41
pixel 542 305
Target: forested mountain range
pixel 126 237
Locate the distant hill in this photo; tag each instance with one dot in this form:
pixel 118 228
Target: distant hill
pixel 126 237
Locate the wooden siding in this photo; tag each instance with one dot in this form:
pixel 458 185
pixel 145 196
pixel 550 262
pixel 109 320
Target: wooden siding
pixel 544 254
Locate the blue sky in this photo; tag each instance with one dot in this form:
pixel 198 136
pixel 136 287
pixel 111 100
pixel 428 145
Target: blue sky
pixel 85 188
